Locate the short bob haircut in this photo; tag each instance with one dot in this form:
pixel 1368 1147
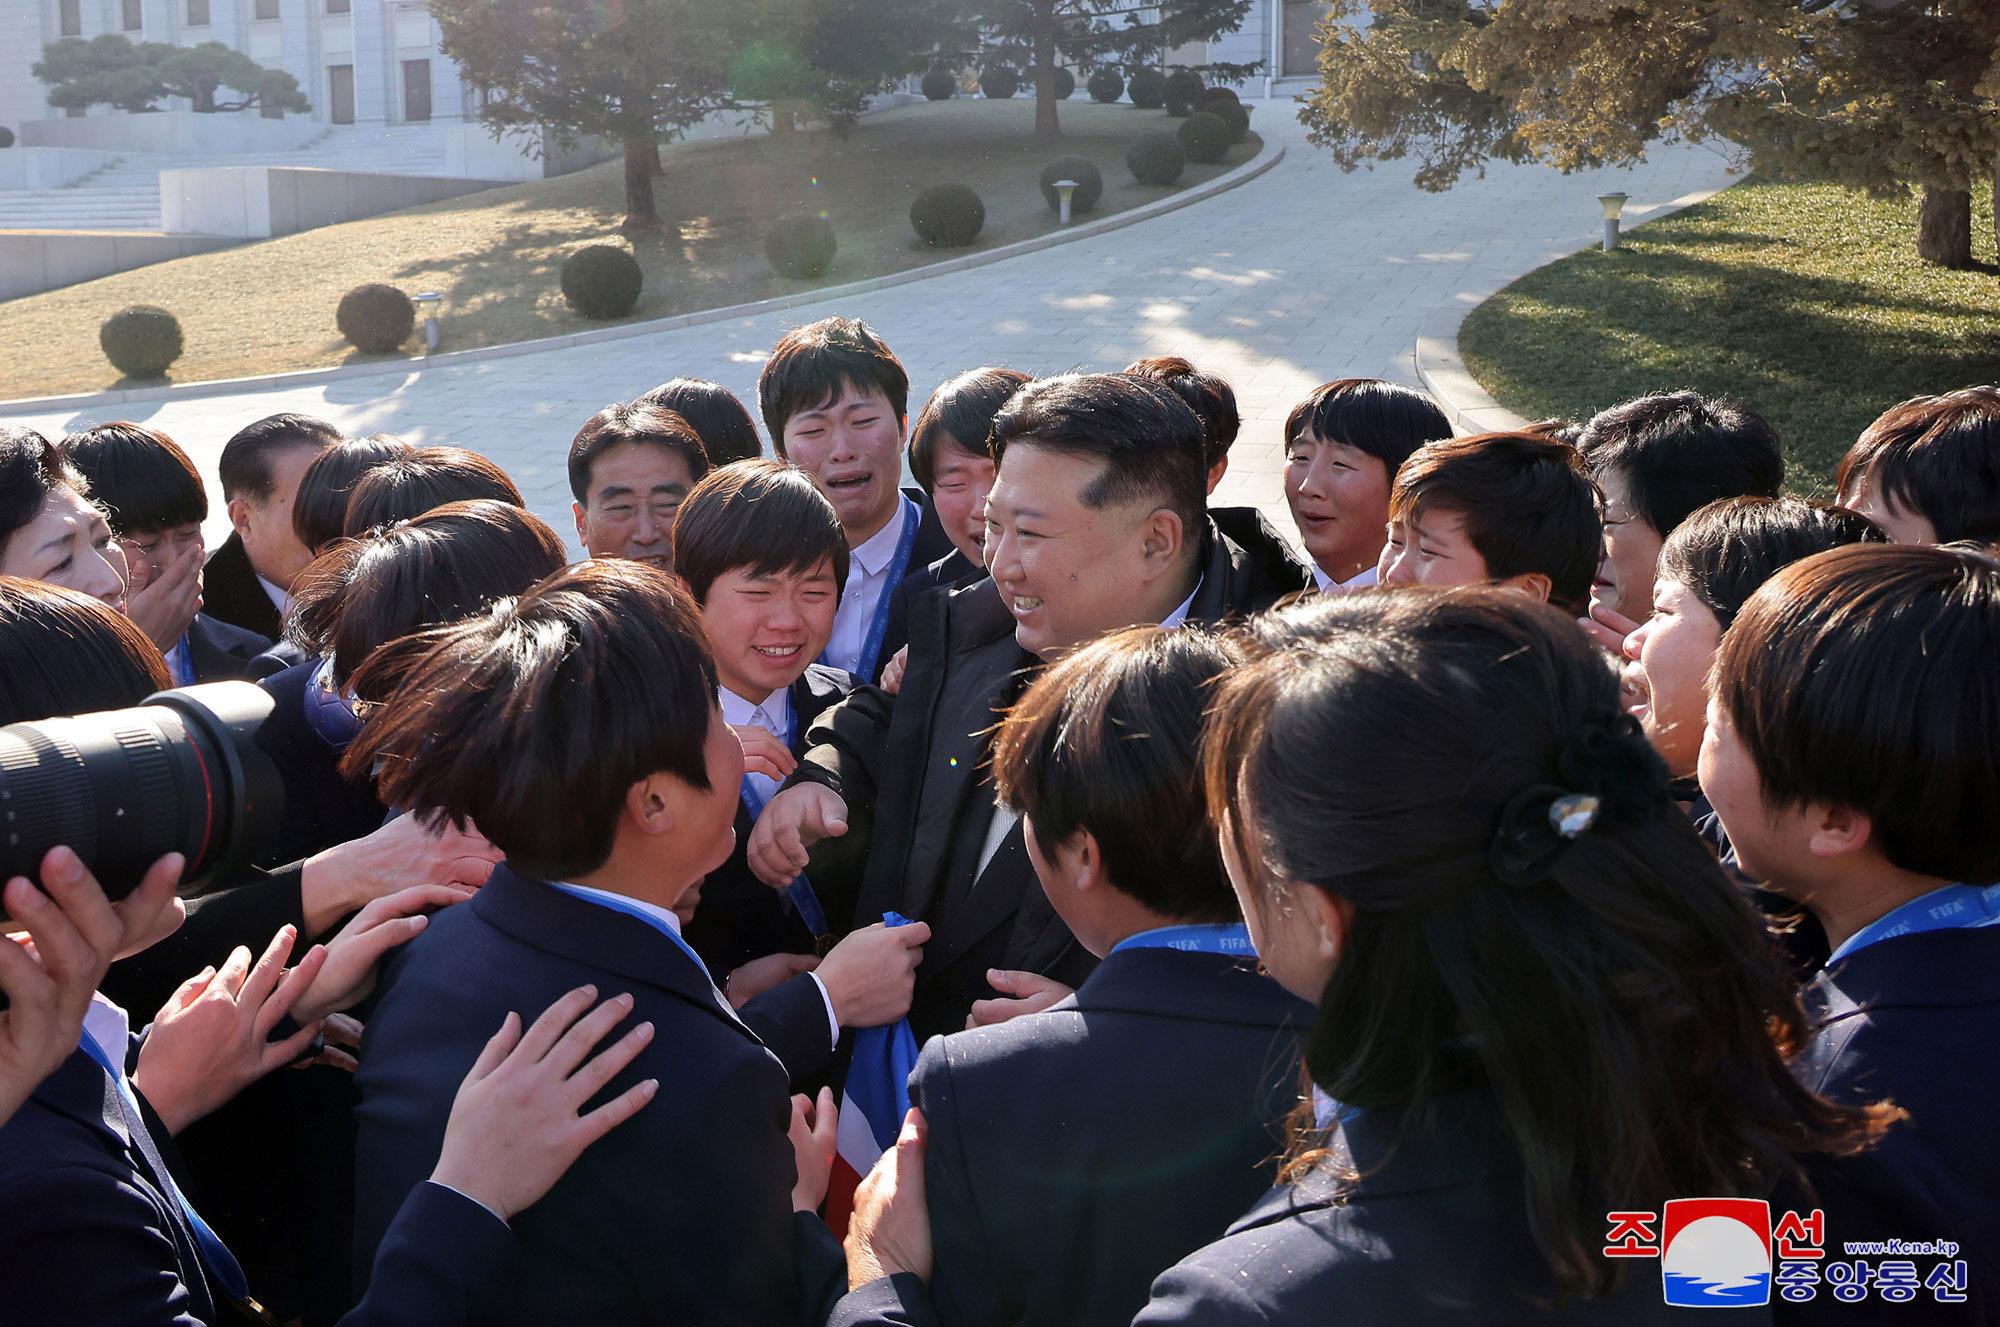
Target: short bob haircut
pixel 960 414
pixel 1678 451
pixel 1151 444
pixel 31 468
pixel 1936 456
pixel 65 653
pixel 140 477
pixel 319 512
pixel 1211 398
pixel 810 366
pixel 1385 420
pixel 762 515
pixel 1615 991
pixel 1727 549
pixel 1106 740
pixel 428 477
pixel 436 568
pixel 536 718
pixel 637 423
pixel 249 458
pixel 1863 678
pixel 715 414
pixel 1527 504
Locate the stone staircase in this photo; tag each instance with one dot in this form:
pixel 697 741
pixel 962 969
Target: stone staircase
pixel 125 195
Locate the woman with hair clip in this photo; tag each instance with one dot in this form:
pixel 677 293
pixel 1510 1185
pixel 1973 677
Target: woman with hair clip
pixel 1539 1001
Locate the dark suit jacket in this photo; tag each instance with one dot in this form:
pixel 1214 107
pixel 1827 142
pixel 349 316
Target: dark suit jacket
pixel 1270 553
pixel 682 1214
pixel 321 808
pixel 1916 1019
pixel 1076 1154
pixel 230 591
pixel 951 569
pixel 932 544
pixel 911 770
pixel 221 652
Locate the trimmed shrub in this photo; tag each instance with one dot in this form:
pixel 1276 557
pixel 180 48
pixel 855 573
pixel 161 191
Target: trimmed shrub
pixel 1156 158
pixel 939 85
pixel 1183 86
pixel 1235 115
pixel 1065 83
pixel 999 81
pixel 948 216
pixel 800 245
pixel 1208 98
pixel 142 341
pixel 6 136
pixel 1089 183
pixel 1204 137
pixel 375 318
pixel 1106 85
pixel 1148 89
pixel 602 281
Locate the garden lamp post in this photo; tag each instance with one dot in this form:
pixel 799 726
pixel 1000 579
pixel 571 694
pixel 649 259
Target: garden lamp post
pixel 1065 189
pixel 427 307
pixel 1613 204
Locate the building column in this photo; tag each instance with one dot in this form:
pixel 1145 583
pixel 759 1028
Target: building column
pixel 375 92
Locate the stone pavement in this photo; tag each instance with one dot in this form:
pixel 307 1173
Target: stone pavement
pixel 1298 277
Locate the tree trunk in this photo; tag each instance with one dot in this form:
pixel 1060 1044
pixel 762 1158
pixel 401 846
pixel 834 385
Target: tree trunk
pixel 641 157
pixel 1047 125
pixel 653 158
pixel 1944 227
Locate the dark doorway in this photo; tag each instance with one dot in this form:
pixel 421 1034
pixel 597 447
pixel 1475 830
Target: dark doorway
pixel 416 90
pixel 1301 48
pixel 340 92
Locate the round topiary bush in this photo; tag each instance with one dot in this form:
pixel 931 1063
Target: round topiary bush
pixel 142 341
pixel 375 318
pixel 999 81
pixel 1106 85
pixel 1148 89
pixel 939 85
pixel 800 245
pixel 1204 137
pixel 1209 96
pixel 1183 86
pixel 1233 114
pixel 1156 158
pixel 948 215
pixel 1065 84
pixel 6 136
pixel 1089 184
pixel 602 281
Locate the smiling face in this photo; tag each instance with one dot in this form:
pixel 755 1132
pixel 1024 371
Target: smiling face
pixel 1772 844
pixel 67 544
pixel 1070 572
pixel 767 628
pixel 1674 648
pixel 1339 496
pixel 628 512
pixel 963 481
pixel 1431 548
pixel 853 449
pixel 1630 554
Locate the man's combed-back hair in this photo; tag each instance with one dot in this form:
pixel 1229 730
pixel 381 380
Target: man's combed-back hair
pixel 640 423
pixel 1403 752
pixel 1680 450
pixel 250 457
pixel 713 411
pixel 1105 741
pixel 1210 396
pixel 1863 678
pixel 763 516
pixel 960 414
pixel 1936 456
pixel 428 477
pixel 535 718
pixel 810 366
pixel 139 476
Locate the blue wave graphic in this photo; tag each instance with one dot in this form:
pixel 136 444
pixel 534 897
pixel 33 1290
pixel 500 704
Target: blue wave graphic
pixel 1703 1292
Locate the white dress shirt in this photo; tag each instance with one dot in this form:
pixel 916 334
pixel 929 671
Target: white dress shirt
pixel 867 581
pixel 280 599
pixel 1327 585
pixel 774 716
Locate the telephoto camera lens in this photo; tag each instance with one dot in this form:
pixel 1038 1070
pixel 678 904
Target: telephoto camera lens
pixel 123 788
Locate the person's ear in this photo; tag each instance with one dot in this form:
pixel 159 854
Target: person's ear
pixel 1531 583
pixel 1081 858
pixel 1331 915
pixel 1217 471
pixel 1838 830
pixel 902 431
pixel 582 527
pixel 1160 540
pixel 649 805
pixel 239 516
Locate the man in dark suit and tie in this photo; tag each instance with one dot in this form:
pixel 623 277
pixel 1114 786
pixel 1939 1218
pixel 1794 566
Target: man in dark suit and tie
pixel 1097 520
pixel 578 727
pixel 248 581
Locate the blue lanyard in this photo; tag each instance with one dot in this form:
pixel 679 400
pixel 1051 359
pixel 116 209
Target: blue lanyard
pixel 1232 939
pixel 1952 908
pixel 800 893
pixel 180 662
pixel 899 565
pixel 215 1255
pixel 630 909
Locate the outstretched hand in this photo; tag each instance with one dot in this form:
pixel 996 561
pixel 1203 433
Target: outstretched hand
pixel 355 954
pixel 763 753
pixel 890 1230
pixel 1024 992
pixel 795 819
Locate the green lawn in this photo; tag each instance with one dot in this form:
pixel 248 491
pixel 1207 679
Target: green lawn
pixel 1806 303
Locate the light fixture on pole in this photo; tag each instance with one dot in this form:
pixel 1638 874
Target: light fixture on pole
pixel 427 307
pixel 1064 190
pixel 1613 204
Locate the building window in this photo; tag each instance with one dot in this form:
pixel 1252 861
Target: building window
pixel 197 13
pixel 135 15
pixel 416 90
pixel 72 18
pixel 267 8
pixel 337 6
pixel 340 93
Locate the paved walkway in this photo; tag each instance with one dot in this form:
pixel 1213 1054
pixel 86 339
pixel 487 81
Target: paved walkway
pixel 1301 276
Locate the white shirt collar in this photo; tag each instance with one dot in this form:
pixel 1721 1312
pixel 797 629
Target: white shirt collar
pixel 664 915
pixel 774 716
pixel 874 555
pixel 110 1027
pixel 279 598
pixel 1179 616
pixel 1326 583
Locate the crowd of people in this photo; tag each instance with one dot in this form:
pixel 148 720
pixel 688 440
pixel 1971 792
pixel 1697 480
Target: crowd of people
pixel 1383 935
